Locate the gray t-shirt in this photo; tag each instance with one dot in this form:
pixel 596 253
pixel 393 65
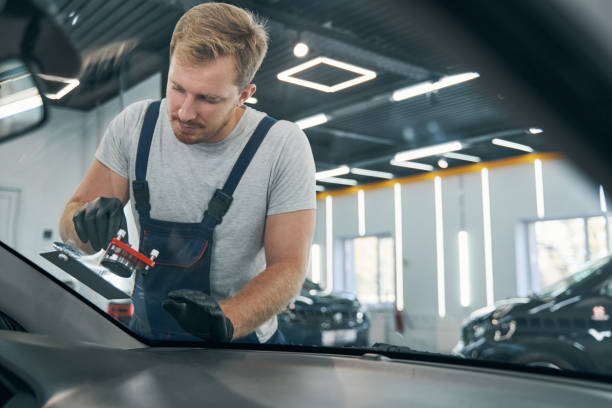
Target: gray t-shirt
pixel 182 179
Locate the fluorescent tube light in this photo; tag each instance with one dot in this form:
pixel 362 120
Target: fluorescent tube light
pixel 372 173
pixel 329 244
pixel 488 245
pixel 602 200
pixel 365 74
pixel 412 91
pixel 336 180
pixel 20 102
pixel 461 156
pixel 535 131
pixel 319 188
pixel 412 165
pixel 440 246
pixel 399 256
pixel 311 121
pixel 428 151
pixel 71 83
pixel 512 145
pixel 315 262
pixel 361 212
pixel 252 100
pixel 428 86
pixel 539 182
pixel 451 80
pixel 464 268
pixel 339 171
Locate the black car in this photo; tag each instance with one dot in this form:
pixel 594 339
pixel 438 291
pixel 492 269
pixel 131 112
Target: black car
pixel 566 327
pixel 325 319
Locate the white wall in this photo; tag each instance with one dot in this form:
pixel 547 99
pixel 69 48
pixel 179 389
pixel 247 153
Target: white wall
pixel 512 203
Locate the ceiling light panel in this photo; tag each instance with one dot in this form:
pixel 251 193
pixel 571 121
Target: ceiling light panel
pixel 336 180
pixel 428 151
pixel 464 157
pixel 339 171
pixel 311 121
pixel 412 165
pixel 512 145
pixel 364 75
pixel 372 173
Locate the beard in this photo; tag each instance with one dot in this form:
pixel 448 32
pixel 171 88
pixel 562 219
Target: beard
pixel 193 132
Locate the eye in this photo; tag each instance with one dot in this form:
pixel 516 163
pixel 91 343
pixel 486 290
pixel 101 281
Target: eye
pixel 203 98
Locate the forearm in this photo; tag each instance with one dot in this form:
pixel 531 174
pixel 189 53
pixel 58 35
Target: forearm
pixel 66 227
pixel 263 297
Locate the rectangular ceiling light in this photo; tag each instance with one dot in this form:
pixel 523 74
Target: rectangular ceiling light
pixel 464 157
pixel 428 86
pixel 535 131
pixel 602 200
pixel 329 245
pixel 361 212
pixel 488 245
pixel 372 173
pixel 412 165
pixel 252 100
pixel 364 74
pixel 336 180
pixel 319 188
pixel 399 256
pixel 512 145
pixel 311 121
pixel 338 171
pixel 440 247
pixel 71 83
pixel 434 150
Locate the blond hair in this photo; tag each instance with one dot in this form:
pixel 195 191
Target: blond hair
pixel 212 30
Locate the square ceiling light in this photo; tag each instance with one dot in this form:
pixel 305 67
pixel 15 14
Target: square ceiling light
pixel 364 75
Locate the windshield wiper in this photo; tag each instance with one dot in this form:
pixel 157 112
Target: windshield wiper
pixel 377 350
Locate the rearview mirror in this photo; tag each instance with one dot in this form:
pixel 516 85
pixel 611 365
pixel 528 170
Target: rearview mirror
pixel 21 105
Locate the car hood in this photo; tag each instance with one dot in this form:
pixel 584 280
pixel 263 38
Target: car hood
pixel 503 305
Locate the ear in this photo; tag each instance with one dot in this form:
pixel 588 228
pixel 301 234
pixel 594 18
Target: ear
pixel 246 93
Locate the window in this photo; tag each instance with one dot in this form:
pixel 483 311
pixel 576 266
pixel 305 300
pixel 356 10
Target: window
pixel 559 247
pixel 369 269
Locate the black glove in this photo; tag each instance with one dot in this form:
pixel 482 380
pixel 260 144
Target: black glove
pixel 99 220
pixel 199 314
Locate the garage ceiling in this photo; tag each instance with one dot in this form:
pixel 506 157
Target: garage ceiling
pixel 125 41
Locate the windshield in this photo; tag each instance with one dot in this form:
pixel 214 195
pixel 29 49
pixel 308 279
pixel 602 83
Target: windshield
pixel 394 193
pixel 573 280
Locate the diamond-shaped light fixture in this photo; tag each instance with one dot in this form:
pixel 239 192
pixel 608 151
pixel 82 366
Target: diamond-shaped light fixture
pixel 364 74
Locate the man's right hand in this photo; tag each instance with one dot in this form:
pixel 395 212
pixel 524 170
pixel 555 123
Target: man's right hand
pixel 99 220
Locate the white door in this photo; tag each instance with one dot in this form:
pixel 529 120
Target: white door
pixel 9 205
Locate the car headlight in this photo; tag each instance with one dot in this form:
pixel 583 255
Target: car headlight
pixel 504 330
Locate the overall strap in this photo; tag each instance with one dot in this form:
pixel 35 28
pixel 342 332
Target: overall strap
pixel 140 186
pixel 222 199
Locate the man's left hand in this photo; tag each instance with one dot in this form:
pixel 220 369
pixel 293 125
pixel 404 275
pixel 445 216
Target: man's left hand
pixel 199 314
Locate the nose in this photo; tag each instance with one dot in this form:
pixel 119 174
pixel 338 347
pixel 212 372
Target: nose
pixel 187 110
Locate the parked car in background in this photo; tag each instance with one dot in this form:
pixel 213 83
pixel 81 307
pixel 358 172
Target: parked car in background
pixel 567 326
pixel 325 319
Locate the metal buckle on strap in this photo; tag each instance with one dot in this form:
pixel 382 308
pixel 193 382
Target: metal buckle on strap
pixel 218 205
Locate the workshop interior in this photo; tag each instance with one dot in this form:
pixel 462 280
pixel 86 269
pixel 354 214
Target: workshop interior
pixel 448 219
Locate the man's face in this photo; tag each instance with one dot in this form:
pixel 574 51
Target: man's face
pixel 203 99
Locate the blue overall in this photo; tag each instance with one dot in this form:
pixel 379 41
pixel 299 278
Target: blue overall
pixel 185 249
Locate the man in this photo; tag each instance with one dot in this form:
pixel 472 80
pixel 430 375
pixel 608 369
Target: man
pixel 188 170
